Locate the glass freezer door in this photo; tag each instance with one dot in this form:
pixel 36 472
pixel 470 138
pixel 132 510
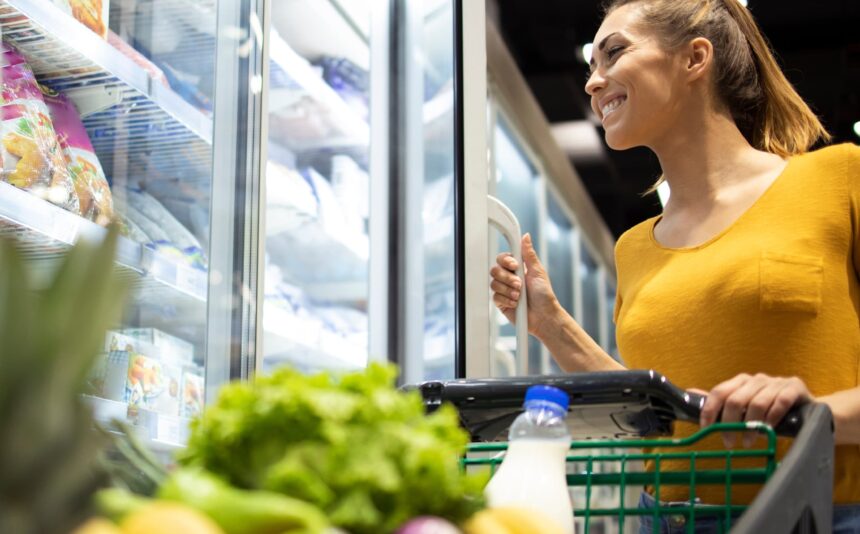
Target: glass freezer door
pixel 359 225
pixel 129 122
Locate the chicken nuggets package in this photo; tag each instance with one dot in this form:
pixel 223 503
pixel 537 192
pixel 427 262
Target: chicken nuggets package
pixel 31 156
pixel 88 177
pixel 91 13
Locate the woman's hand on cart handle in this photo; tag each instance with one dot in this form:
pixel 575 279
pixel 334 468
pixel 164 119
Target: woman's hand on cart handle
pixel 757 397
pixel 507 286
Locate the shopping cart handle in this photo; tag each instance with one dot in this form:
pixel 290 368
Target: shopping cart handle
pixel 789 426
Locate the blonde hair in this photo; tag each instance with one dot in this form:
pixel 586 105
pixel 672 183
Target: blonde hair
pixel 763 103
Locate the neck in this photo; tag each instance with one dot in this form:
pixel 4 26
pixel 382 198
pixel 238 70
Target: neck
pixel 704 155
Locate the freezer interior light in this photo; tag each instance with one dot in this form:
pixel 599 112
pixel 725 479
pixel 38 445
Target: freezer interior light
pixel 586 52
pixel 857 128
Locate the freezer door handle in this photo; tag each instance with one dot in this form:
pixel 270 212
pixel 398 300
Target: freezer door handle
pixel 504 220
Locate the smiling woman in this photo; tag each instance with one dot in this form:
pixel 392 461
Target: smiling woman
pixel 760 295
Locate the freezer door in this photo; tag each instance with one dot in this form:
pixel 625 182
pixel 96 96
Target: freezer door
pixel 130 123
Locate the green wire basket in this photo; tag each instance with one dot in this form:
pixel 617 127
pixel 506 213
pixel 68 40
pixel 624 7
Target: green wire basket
pixel 586 455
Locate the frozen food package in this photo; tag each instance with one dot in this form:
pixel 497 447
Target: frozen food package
pixel 31 156
pixel 145 382
pixel 192 392
pixel 139 59
pixel 154 211
pixel 91 13
pixel 167 399
pixel 88 177
pixel 170 348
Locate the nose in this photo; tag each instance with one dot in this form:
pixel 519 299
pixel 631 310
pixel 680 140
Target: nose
pixel 594 83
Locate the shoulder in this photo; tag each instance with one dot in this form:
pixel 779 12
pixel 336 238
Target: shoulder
pixel 635 238
pixel 833 157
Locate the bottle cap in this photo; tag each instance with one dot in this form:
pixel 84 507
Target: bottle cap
pixel 548 393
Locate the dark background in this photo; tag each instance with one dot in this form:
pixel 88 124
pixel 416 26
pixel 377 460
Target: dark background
pixel 817 42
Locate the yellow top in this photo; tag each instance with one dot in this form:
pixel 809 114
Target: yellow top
pixel 776 292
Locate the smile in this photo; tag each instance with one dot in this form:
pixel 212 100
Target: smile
pixel 612 105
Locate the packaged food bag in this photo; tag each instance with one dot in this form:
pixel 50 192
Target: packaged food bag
pixel 88 177
pixel 31 156
pixel 91 13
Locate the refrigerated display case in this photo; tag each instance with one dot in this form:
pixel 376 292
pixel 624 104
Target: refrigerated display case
pixel 360 159
pixel 113 117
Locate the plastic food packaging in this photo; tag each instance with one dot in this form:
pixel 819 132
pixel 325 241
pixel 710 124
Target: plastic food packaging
pixel 91 185
pixel 171 349
pixel 533 472
pixel 31 155
pixel 91 13
pixel 192 392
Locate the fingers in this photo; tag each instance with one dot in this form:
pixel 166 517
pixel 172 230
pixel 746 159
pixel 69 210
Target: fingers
pixel 793 392
pixel 752 398
pixel 507 261
pixel 717 397
pixel 504 294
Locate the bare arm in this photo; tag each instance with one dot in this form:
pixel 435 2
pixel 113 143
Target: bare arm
pixel 845 406
pixel 571 346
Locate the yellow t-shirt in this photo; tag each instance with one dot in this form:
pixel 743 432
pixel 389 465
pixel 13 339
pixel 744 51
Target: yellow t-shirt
pixel 776 292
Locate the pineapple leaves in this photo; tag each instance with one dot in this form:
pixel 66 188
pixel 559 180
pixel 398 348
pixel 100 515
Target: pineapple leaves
pixel 51 338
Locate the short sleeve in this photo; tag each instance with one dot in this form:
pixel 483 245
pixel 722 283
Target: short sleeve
pixel 851 166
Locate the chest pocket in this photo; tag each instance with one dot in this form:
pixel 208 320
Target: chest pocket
pixel 790 283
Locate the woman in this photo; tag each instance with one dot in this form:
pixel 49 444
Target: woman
pixel 747 284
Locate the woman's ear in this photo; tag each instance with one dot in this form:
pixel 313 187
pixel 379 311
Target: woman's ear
pixel 698 58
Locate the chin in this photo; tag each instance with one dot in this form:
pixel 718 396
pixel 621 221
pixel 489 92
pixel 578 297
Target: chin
pixel 617 141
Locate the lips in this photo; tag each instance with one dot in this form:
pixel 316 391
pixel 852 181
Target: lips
pixel 611 103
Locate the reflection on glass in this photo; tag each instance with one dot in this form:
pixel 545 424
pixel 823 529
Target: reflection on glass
pixel 559 257
pixel 590 284
pixel 436 54
pixel 317 199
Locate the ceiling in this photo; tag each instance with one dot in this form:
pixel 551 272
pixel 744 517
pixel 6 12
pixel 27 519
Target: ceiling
pixel 817 43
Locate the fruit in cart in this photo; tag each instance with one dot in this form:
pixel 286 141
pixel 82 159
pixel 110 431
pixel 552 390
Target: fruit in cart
pixel 511 520
pixel 49 451
pixel 351 444
pixel 240 511
pixel 168 518
pixel 98 526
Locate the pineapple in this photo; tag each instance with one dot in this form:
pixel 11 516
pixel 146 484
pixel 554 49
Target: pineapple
pixel 49 340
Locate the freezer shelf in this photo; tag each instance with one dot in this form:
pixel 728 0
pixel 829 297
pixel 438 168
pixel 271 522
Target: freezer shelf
pixel 157 432
pixel 145 121
pixel 44 232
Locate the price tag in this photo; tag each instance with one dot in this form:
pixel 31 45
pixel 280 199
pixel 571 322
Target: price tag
pixel 191 281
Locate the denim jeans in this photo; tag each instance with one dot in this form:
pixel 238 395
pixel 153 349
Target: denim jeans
pixel 846 520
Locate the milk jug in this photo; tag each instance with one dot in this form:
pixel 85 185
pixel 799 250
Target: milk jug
pixel 532 474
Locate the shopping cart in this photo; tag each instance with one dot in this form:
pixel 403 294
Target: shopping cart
pixel 614 415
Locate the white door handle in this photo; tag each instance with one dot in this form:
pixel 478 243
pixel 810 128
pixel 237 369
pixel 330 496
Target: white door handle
pixel 504 220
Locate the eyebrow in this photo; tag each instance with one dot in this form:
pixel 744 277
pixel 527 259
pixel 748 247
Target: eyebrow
pixel 600 47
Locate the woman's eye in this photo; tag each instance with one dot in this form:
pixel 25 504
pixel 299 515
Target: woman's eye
pixel 612 52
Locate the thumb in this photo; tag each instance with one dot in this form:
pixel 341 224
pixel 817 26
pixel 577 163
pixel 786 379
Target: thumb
pixel 530 257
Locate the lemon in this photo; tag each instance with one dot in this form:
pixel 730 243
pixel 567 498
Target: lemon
pixel 168 518
pixel 97 525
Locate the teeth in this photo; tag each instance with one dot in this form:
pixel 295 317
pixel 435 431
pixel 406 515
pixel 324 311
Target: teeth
pixel 612 105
